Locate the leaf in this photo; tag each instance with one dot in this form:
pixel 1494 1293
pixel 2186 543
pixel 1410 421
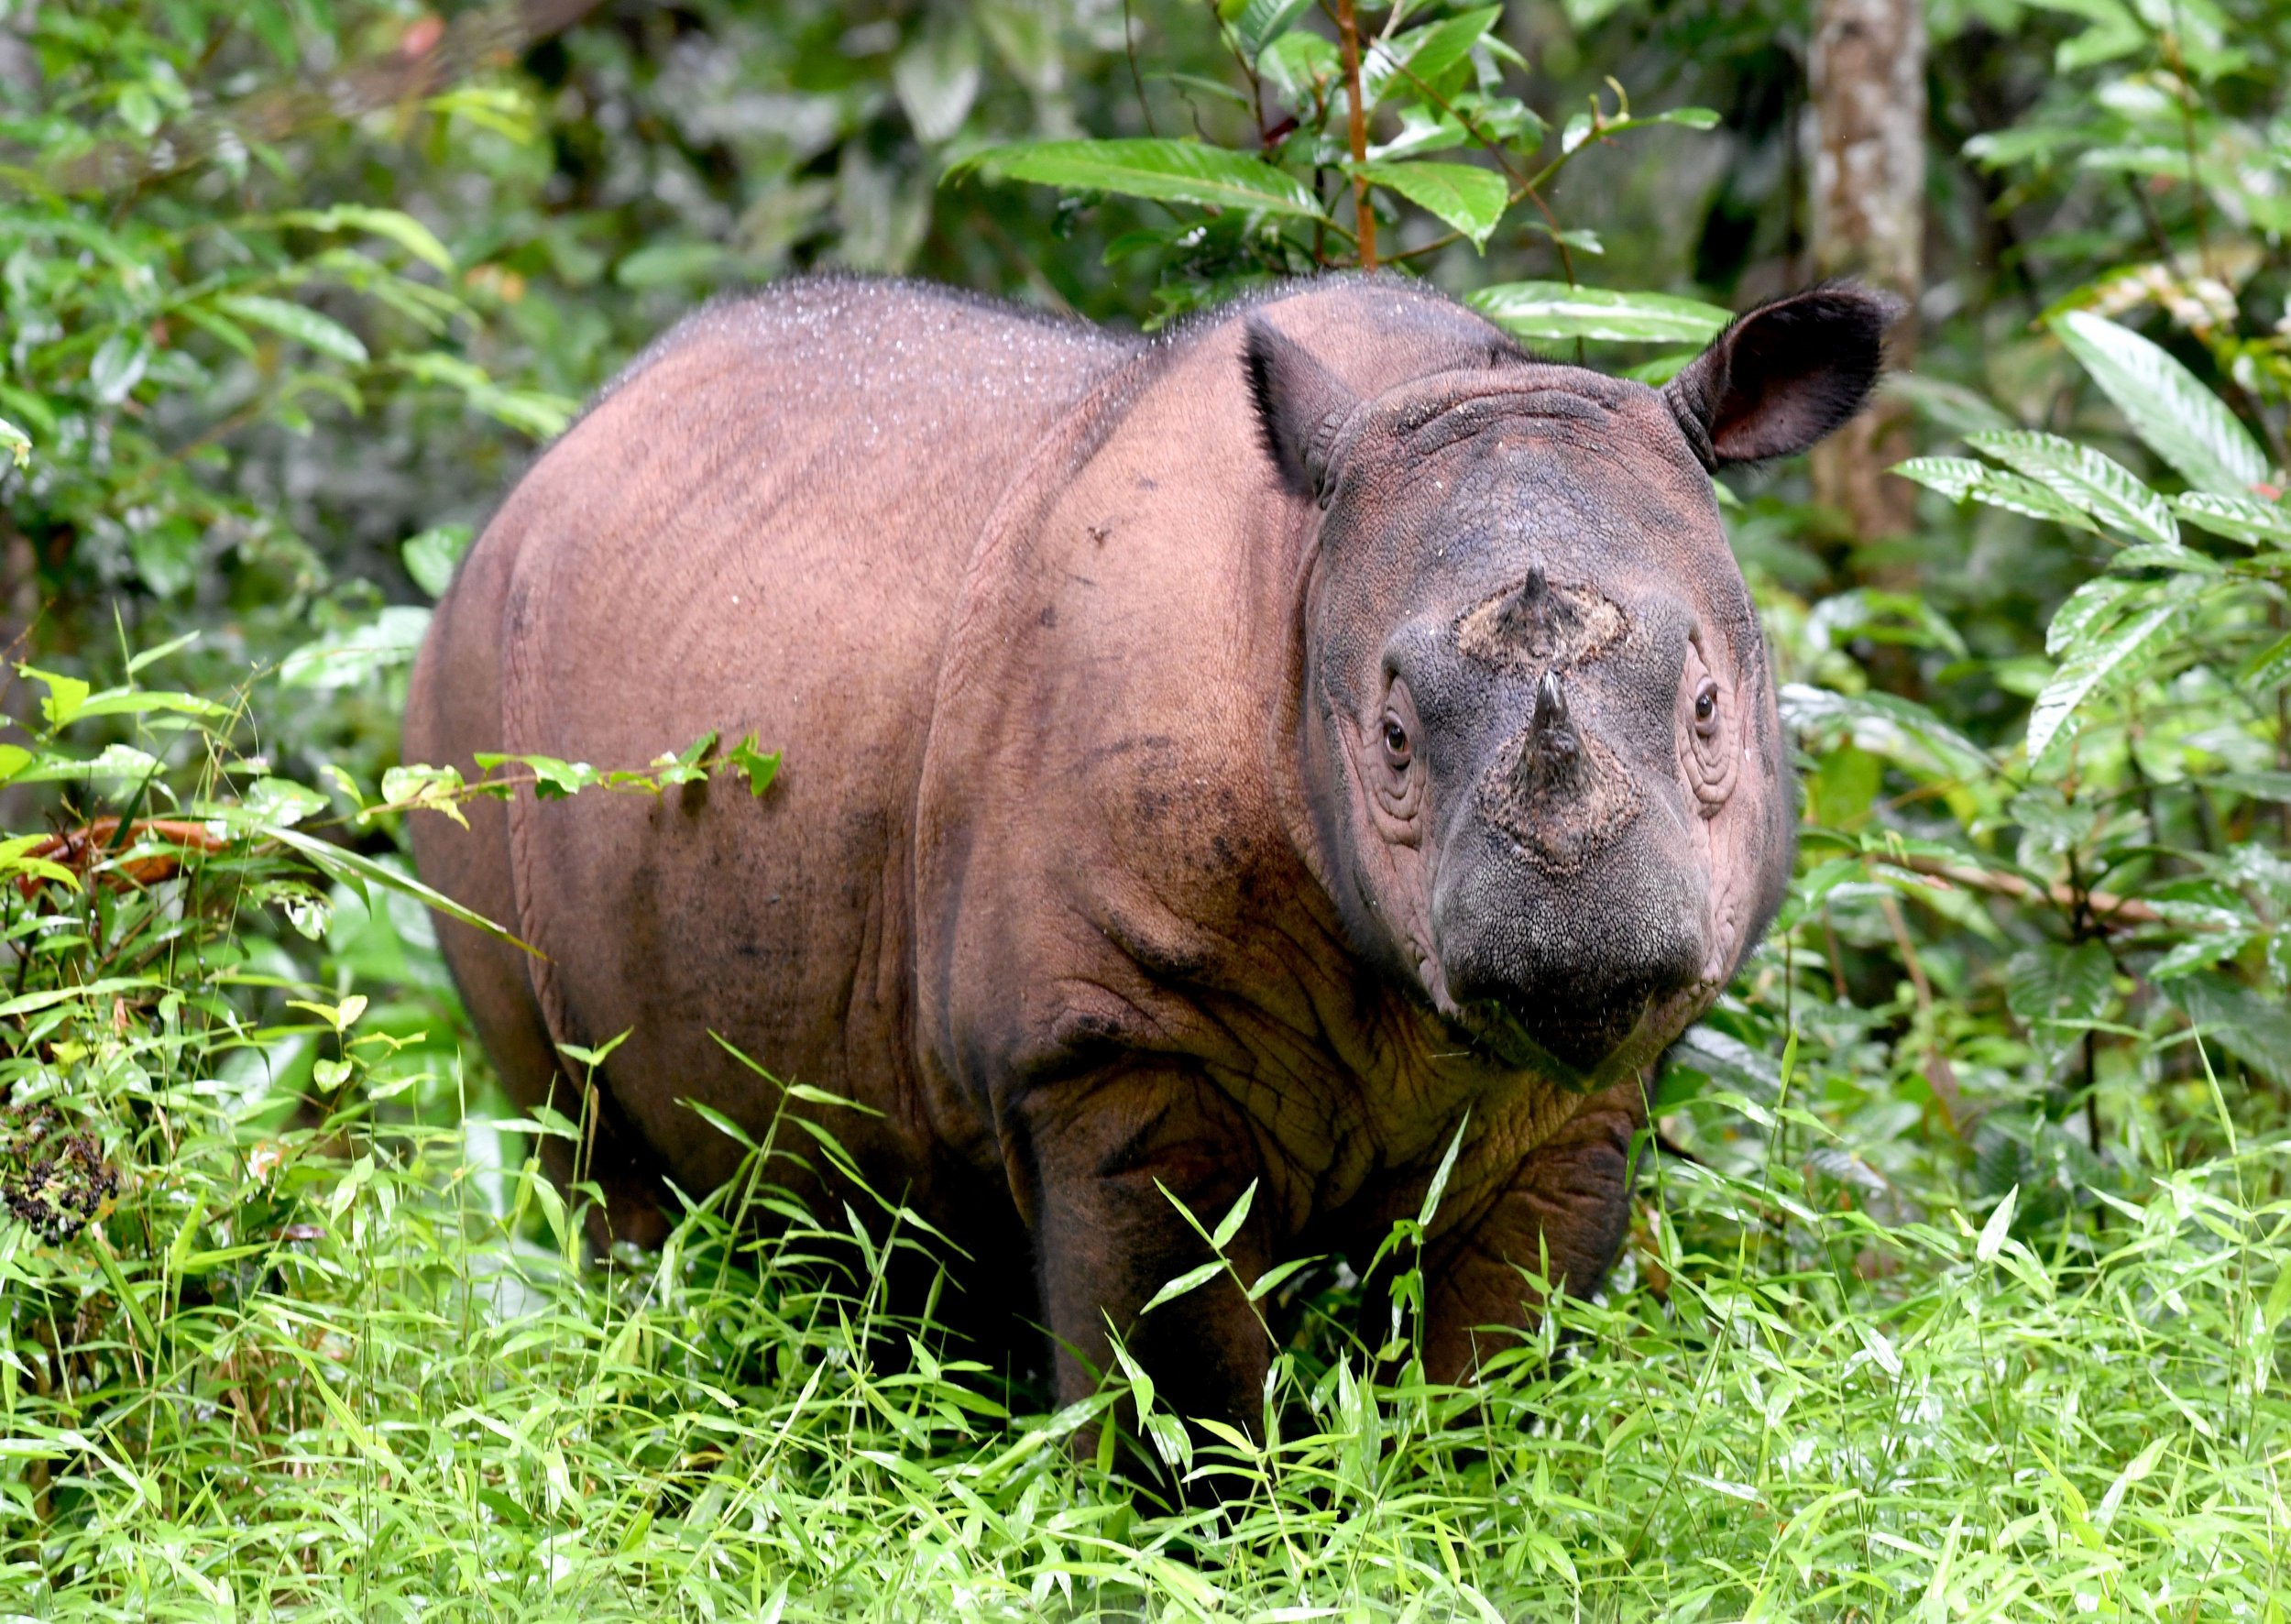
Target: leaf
pixel 1167 170
pixel 1554 310
pixel 2089 608
pixel 2115 657
pixel 2054 985
pixel 1960 478
pixel 2268 668
pixel 1469 198
pixel 1999 1225
pixel 2179 419
pixel 2078 474
pixel 65 694
pixel 2255 1030
pixel 937 75
pixel 394 224
pixel 302 325
pixel 16 442
pixel 347 659
pixel 119 366
pixel 2247 519
pixel 1263 21
pixel 1191 1280
pixel 1417 58
pixel 1902 731
pixel 430 557
pixel 357 871
pixel 760 769
pixel 1230 1224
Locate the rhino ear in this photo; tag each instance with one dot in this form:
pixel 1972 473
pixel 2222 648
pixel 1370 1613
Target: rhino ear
pixel 1300 405
pixel 1784 375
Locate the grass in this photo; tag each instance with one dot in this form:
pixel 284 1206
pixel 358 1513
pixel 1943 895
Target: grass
pixel 394 1390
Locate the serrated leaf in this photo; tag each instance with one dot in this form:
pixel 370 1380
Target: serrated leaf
pixel 1554 310
pixel 2099 485
pixel 2099 662
pixel 1468 198
pixel 302 325
pixel 2179 419
pixel 2247 519
pixel 2056 984
pixel 1167 170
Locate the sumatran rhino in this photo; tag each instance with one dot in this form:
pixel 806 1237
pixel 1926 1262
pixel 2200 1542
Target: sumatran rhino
pixel 1248 754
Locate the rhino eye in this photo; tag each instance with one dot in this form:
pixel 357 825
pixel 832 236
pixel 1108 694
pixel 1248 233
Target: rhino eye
pixel 1398 751
pixel 1707 708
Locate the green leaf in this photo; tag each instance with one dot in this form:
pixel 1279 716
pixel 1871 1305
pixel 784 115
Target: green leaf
pixel 2255 1030
pixel 2056 985
pixel 1263 21
pixel 65 694
pixel 2179 419
pixel 2248 518
pixel 347 659
pixel 1193 1279
pixel 1999 1225
pixel 302 325
pixel 1469 198
pixel 357 871
pixel 759 768
pixel 1421 56
pixel 1554 310
pixel 2096 663
pixel 1167 170
pixel 1902 731
pixel 431 556
pixel 16 442
pixel 1960 478
pixel 2078 474
pixel 396 226
pixel 1230 1224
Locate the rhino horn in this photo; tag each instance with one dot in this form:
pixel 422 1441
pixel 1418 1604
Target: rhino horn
pixel 1525 617
pixel 1552 750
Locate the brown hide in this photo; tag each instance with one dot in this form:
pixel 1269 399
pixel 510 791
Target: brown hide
pixel 1065 873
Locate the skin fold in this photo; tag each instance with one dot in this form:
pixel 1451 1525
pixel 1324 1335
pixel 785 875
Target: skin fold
pixel 1245 756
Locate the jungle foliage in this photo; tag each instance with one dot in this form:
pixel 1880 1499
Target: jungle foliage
pixel 1956 1287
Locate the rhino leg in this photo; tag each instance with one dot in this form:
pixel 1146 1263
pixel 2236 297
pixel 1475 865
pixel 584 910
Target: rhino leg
pixel 1088 1160
pixel 1569 1199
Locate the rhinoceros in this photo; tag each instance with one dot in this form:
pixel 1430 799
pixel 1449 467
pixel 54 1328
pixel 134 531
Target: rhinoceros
pixel 1272 753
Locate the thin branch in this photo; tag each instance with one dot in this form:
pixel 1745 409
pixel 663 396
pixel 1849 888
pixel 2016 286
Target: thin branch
pixel 1356 118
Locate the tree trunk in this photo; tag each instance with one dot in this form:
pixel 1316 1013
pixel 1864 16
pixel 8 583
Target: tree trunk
pixel 1868 74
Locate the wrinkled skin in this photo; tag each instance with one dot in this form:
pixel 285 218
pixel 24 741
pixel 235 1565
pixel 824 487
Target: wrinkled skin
pixel 1244 756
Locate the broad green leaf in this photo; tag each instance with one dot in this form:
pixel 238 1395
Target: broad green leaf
pixel 2255 1030
pixel 1902 731
pixel 2056 984
pixel 2248 518
pixel 2101 487
pixel 1166 169
pixel 1466 197
pixel 65 694
pixel 346 659
pixel 759 768
pixel 1297 65
pixel 2267 669
pixel 1417 58
pixel 2097 663
pixel 2090 607
pixel 430 558
pixel 305 327
pixel 2182 421
pixel 1554 310
pixel 1263 21
pixel 1422 129
pixel 1961 478
pixel 937 75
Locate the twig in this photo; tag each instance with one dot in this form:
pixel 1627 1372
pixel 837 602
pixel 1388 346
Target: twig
pixel 1129 48
pixel 1356 119
pixel 2107 911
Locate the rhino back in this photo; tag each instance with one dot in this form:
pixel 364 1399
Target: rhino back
pixel 761 528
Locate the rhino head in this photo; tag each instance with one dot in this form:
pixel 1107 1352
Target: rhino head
pixel 1540 748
